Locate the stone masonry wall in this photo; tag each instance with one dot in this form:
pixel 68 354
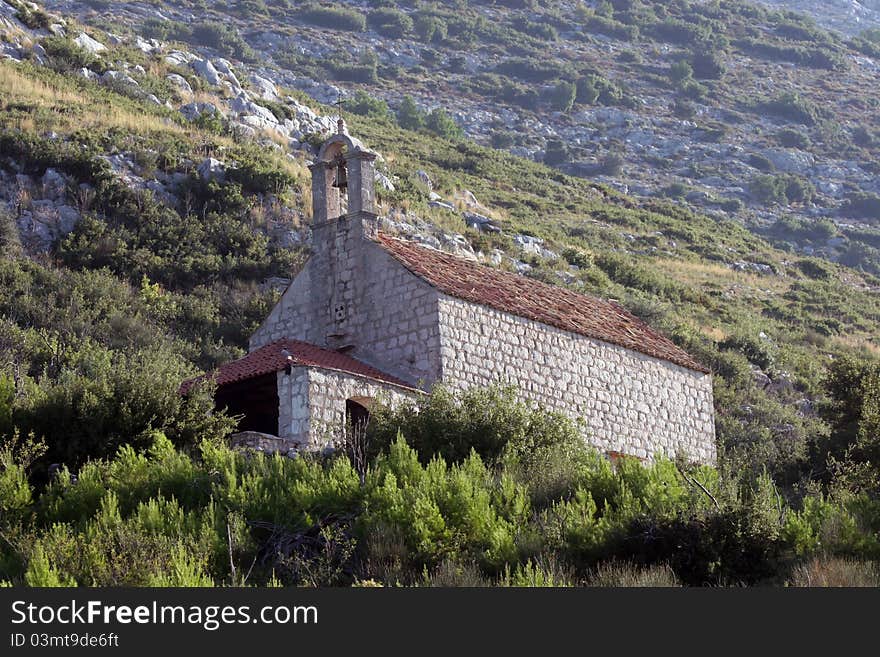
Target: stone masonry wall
pixel 293 406
pixel 292 316
pixel 312 403
pixel 631 403
pixel 397 328
pixel 328 392
pixel 393 324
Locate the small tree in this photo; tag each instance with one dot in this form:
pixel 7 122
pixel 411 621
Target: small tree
pixel 430 28
pixel 10 241
pixel 707 65
pixel 680 72
pixel 587 91
pixel 556 152
pixel 562 96
pixel 854 414
pixel 366 105
pixel 409 116
pixel 441 123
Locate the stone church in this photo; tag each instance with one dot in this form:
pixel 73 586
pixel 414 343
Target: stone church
pixel 374 317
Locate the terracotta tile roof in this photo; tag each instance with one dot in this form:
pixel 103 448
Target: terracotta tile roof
pixel 557 306
pixel 268 359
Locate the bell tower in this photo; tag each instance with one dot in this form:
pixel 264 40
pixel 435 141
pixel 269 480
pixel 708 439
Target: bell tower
pixel 344 217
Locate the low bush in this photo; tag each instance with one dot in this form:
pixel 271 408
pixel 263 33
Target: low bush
pixel 337 18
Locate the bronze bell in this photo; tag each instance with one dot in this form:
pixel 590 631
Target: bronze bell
pixel 341 180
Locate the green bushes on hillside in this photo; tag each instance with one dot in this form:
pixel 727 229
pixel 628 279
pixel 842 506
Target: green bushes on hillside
pixel 793 107
pixel 781 189
pixel 337 18
pixel 213 516
pixel 390 23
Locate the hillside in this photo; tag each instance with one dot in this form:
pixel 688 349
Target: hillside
pixel 728 108
pixel 847 16
pixel 149 161
pixel 154 199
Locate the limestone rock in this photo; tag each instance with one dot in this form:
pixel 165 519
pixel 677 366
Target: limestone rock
pixel 790 160
pixel 179 58
pixel 89 44
pixel 205 69
pixel 242 105
pixel 118 77
pixel 212 169
pixel 54 184
pixel 192 111
pixel 180 82
pixel 264 87
pixel 384 181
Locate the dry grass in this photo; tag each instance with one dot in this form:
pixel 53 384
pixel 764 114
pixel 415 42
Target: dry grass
pixel 453 573
pixel 865 344
pixel 18 87
pixel 65 108
pixel 61 107
pixel 713 333
pixel 626 575
pixel 706 273
pixel 836 572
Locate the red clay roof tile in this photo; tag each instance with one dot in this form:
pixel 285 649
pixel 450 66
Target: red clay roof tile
pixel 269 358
pixel 549 304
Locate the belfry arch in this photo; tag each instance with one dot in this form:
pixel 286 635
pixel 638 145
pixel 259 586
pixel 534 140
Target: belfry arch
pixel 343 178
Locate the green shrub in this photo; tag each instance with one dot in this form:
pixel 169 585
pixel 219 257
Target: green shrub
pixel 430 28
pixel 391 23
pixel 409 116
pixel 588 91
pixel 443 125
pixel 488 421
pixel 556 152
pixel 782 189
pixel 41 573
pixel 863 205
pixel 337 18
pixel 222 37
pixel 791 138
pixel 17 455
pixel 366 105
pixel 680 71
pixel 761 163
pixel 32 17
pixel 445 511
pixel 65 55
pixel 105 399
pixel 562 96
pixel 707 65
pixel 793 107
pixel 759 350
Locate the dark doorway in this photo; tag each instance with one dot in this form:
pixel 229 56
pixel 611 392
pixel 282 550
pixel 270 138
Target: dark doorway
pixel 357 415
pixel 255 399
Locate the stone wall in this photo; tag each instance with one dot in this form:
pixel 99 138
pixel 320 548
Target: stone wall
pixel 631 403
pixel 328 392
pixel 292 317
pixel 293 406
pixel 397 328
pixel 388 316
pixel 312 403
pixel 261 442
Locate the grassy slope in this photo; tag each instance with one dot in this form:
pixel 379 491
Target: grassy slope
pixel 665 263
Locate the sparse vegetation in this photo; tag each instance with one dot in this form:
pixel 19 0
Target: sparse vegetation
pixel 96 335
